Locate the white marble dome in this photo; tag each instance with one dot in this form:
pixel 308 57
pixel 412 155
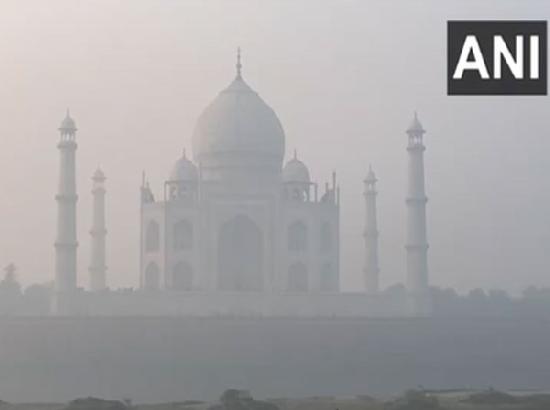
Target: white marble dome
pixel 184 170
pixel 296 171
pixel 239 127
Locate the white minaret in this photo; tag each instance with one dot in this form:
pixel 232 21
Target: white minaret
pixel 371 268
pixel 66 243
pixel 417 242
pixel 98 233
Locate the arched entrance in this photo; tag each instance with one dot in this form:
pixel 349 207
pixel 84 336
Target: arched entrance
pixel 152 277
pixel 240 255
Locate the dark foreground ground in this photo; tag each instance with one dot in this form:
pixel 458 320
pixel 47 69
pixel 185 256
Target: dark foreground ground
pixel 411 400
pixel 167 359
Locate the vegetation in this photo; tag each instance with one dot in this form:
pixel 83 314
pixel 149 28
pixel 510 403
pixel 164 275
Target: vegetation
pixel 478 302
pixel 92 403
pixel 241 400
pixel 414 400
pixel 233 399
pixel 492 397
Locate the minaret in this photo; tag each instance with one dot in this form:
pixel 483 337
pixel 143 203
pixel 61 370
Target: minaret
pixel 98 233
pixel 239 66
pixel 417 242
pixel 66 243
pixel 371 268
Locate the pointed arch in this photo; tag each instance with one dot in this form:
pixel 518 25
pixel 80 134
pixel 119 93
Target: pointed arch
pixel 152 237
pixel 152 277
pixel 240 255
pixel 297 278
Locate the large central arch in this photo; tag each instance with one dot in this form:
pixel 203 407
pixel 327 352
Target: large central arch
pixel 240 255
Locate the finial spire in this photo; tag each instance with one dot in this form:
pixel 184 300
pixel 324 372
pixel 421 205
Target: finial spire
pixel 239 65
pixel 415 126
pixel 98 175
pixel 371 177
pixel 295 154
pixel 68 126
pixel 184 156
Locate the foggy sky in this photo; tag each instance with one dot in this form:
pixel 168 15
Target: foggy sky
pixel 344 78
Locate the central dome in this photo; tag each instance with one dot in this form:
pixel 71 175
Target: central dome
pixel 238 129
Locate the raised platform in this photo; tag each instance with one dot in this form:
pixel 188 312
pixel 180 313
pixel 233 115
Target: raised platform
pixel 236 304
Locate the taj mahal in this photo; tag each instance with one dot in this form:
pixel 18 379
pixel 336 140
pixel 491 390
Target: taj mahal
pixel 238 232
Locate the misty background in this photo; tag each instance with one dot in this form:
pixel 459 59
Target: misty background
pixel 344 77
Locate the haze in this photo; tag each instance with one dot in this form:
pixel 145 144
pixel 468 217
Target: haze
pixel 344 78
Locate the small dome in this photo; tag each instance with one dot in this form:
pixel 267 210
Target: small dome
pixel 99 175
pixel 296 171
pixel 184 170
pixel 68 123
pixel 416 126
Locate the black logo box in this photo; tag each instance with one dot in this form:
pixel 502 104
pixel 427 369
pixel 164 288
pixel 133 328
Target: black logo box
pixel 484 31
